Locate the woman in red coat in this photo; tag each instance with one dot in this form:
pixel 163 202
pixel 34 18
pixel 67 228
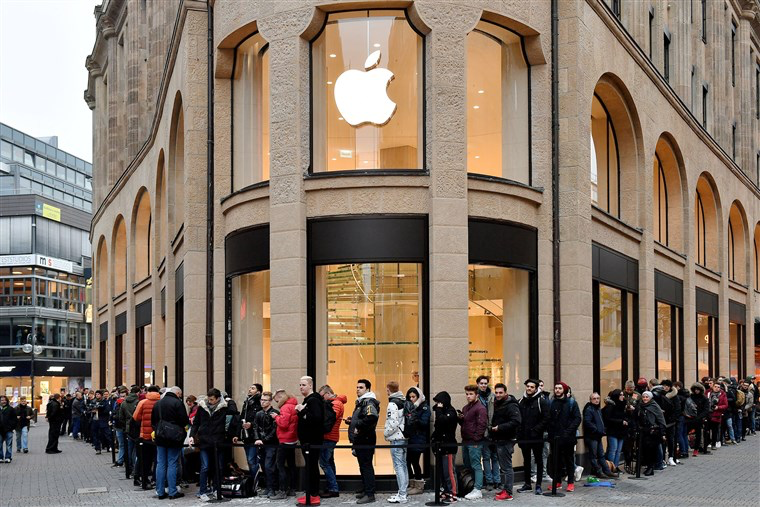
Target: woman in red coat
pixel 287 434
pixel 718 405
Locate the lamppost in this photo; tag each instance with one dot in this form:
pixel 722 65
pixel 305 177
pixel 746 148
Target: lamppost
pixel 34 350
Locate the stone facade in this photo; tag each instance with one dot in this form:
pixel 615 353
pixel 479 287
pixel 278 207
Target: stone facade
pixel 148 71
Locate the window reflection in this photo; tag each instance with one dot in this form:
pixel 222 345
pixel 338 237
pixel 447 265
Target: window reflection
pixel 665 315
pixel 250 332
pixel 704 345
pixel 341 51
pixel 497 104
pixel 610 338
pixel 605 171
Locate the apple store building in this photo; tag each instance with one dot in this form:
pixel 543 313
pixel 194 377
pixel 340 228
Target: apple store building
pixel 362 189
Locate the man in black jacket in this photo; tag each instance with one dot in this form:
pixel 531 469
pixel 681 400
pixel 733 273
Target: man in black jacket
pixel 361 432
pixel 101 413
pixel 77 414
pixel 265 437
pixel 504 426
pixel 564 419
pixel 54 416
pixel 251 406
pixel 171 411
pixel 310 421
pixel 534 412
pixel 66 423
pixel 24 415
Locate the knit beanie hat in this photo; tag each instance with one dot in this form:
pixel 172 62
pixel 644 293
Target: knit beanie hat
pixel 565 387
pixel 647 393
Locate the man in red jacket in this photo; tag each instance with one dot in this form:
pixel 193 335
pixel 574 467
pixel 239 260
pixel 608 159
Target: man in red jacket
pixel 327 456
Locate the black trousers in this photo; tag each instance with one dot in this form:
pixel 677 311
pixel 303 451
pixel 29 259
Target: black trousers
pixel 286 454
pixel 366 469
pixel 538 454
pixel 565 463
pixel 649 444
pixel 413 463
pixel 311 458
pixel 54 431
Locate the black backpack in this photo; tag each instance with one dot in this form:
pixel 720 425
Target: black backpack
pixel 329 417
pixel 404 406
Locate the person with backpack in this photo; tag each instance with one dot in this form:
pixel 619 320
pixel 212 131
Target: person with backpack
pixel 168 420
pixel 395 417
pixel 334 407
pixel 361 432
pixel 696 409
pixel 265 435
pixel 564 419
pixel 444 443
pixel 251 406
pixel 534 417
pixel 474 420
pixel 504 426
pixel 131 429
pixel 416 429
pixel 311 415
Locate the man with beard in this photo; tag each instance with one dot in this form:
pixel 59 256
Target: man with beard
pixel 361 432
pixel 491 475
pixel 564 418
pixel 534 415
pixel 310 432
pixel 504 426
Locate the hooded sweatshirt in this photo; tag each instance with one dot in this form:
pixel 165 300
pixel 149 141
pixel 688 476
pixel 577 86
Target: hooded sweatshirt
pixel 394 417
pixel 445 427
pixel 364 420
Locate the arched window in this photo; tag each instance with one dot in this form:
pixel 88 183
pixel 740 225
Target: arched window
pixel 119 257
pixel 498 95
pixel 102 273
pixel 367 79
pixel 141 236
pixel 605 161
pixel 667 195
pixel 757 257
pixel 737 260
pixel 177 166
pixel 701 233
pixel 661 203
pixel 706 208
pixel 250 113
pixel 161 202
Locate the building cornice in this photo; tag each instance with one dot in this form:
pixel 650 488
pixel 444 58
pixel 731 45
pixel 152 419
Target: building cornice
pixel 640 58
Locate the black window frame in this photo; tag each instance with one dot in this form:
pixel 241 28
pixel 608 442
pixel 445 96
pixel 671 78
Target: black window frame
pixel 669 291
pixel 733 52
pixel 704 21
pixel 707 305
pixel 666 55
pixel 661 179
pixel 610 125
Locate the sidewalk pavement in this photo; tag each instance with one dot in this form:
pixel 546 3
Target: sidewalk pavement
pixel 729 477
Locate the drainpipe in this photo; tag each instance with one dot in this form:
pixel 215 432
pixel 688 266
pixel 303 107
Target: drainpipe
pixel 557 327
pixel 210 203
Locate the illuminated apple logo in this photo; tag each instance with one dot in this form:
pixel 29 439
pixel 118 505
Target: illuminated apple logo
pixel 362 96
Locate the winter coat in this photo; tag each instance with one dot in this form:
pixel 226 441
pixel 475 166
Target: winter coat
pixel 101 410
pixel 418 420
pixel 506 418
pixel 54 412
pixel 683 395
pixel 7 419
pixel 474 423
pixel 593 422
pixel 287 422
pixel 487 399
pixel 251 406
pixel 677 409
pixel 665 403
pixel 651 420
pixel 213 425
pixel 169 409
pixel 696 407
pixel 77 408
pixel 564 419
pixel 22 412
pixel 534 414
pixel 338 405
pixel 749 399
pixel 311 419
pixel 364 420
pixel 264 428
pixel 445 426
pixel 718 405
pixel 127 410
pixel 614 415
pixel 143 414
pixel 394 418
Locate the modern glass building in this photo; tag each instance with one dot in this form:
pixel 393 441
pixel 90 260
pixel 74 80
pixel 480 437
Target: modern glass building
pixel 45 265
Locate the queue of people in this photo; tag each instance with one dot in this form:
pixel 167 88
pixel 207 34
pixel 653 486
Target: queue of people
pixel 657 423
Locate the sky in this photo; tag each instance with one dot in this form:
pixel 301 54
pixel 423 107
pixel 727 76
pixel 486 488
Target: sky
pixel 43 46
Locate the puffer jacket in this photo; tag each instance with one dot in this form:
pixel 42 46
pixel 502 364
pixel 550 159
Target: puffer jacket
pixel 287 422
pixel 445 426
pixel 614 416
pixel 394 418
pixel 506 418
pixel 143 413
pixel 213 425
pixel 696 406
pixel 474 423
pixel 418 420
pixel 593 423
pixel 364 420
pixel 338 405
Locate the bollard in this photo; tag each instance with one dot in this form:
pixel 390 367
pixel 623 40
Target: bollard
pixel 307 454
pixel 437 479
pixel 638 476
pixel 113 446
pixel 555 451
pixel 217 472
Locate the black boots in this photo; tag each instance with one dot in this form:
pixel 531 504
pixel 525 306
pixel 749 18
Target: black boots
pixel 649 471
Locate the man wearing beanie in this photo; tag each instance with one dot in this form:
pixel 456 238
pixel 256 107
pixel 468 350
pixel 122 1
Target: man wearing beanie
pixel 564 419
pixel 534 412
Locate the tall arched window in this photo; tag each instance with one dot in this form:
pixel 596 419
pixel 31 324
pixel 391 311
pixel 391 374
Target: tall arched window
pixel 757 257
pixel 701 243
pixel 141 236
pixel 661 203
pixel 737 260
pixel 161 205
pixel 731 258
pixel 101 276
pixel 367 79
pixel 177 166
pixel 119 257
pixel 605 161
pixel 498 95
pixel 667 209
pixel 250 112
pixel 706 220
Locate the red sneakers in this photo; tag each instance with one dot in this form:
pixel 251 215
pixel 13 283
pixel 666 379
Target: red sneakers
pixel 315 500
pixel 502 495
pixel 570 488
pixel 559 486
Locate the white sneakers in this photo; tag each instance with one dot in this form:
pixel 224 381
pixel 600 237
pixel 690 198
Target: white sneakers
pixel 578 473
pixel 671 462
pixel 475 494
pixel 397 499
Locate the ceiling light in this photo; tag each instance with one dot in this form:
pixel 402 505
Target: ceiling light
pixel 476 107
pixel 366 162
pixel 18 273
pixel 340 118
pixel 477 156
pixel 333 55
pixel 481 91
pixel 334 158
pixel 377 45
pixel 6 369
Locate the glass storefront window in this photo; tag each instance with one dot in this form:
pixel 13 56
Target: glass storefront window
pixel 704 345
pixel 250 112
pixel 373 119
pixel 499 302
pixel 734 331
pixel 368 326
pixel 664 344
pixel 250 332
pixel 610 338
pixel 147 334
pixel 497 104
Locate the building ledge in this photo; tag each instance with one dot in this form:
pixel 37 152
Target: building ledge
pixel 119 298
pixel 501 186
pixel 614 223
pixel 708 273
pixel 669 253
pixel 251 193
pixel 141 285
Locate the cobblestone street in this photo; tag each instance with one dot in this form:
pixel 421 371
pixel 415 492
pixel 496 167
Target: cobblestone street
pixel 728 477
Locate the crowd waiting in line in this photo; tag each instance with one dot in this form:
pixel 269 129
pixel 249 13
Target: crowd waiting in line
pixel 663 418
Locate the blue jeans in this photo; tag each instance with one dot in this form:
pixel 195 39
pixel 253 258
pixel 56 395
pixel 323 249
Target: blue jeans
pixel 167 465
pixel 490 465
pixel 398 455
pixel 504 453
pixel 737 418
pixel 76 425
pixel 269 461
pixel 596 456
pixel 683 436
pixel 207 457
pixel 614 446
pixel 7 439
pixel 252 457
pixel 122 446
pixel 22 438
pixel 730 428
pixel 471 456
pixel 327 464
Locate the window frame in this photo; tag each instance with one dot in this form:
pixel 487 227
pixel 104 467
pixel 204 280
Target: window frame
pixel 422 101
pixel 662 182
pixel 610 125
